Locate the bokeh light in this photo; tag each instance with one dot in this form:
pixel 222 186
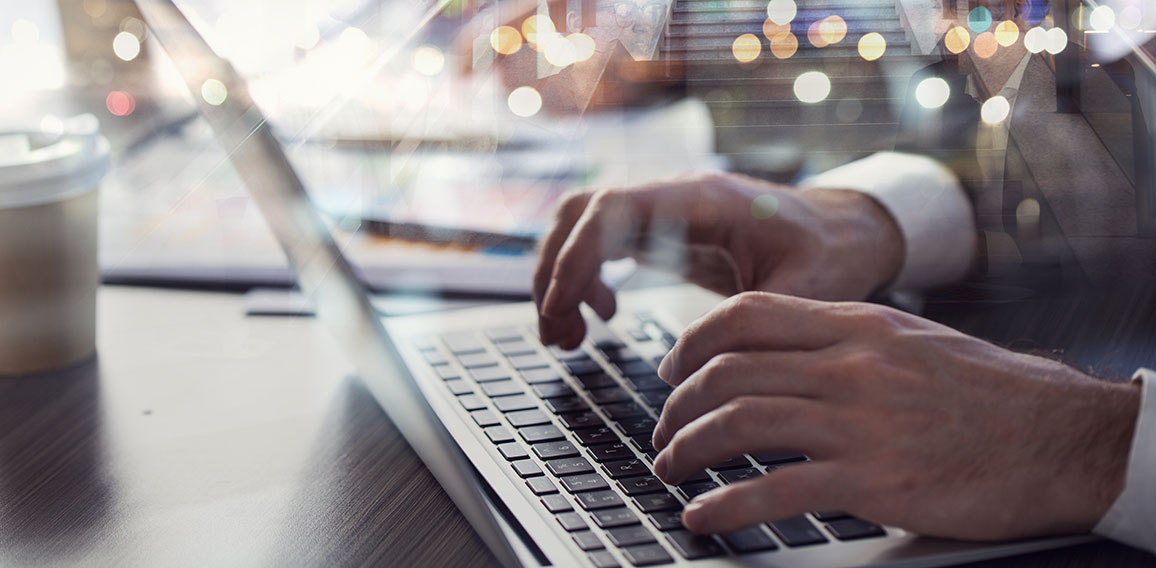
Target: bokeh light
pixel 872 46
pixel 524 101
pixel 1007 33
pixel 95 8
pixel 214 92
pixel 1057 41
pixel 833 29
pixel 781 12
pixel 1130 18
pixel 784 45
pixel 985 45
pixel 583 46
pixel 995 110
pixel 746 48
pixel 428 60
pixel 25 32
pixel 1102 18
pixel 932 92
pixel 1036 39
pixel 558 50
pixel 537 27
pixel 814 34
pixel 120 103
pixel 506 40
pixel 126 46
pixel 764 206
pixel 957 40
pixel 979 19
pixel 770 28
pixel 812 87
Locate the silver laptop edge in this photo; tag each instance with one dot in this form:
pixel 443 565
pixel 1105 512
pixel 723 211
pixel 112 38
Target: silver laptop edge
pixel 322 271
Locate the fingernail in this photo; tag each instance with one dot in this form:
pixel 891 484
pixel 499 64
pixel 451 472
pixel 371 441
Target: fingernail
pixel 658 440
pixel 694 516
pixel 664 367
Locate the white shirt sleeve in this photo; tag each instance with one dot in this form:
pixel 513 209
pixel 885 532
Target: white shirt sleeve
pixel 929 205
pixel 1132 518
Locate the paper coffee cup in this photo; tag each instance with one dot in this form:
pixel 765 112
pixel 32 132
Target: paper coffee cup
pixel 48 252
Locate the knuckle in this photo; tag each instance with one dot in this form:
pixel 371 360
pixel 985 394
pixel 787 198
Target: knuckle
pixel 740 417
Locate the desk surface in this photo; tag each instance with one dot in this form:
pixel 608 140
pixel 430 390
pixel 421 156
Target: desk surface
pixel 202 437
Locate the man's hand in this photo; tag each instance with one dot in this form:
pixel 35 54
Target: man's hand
pixel 908 423
pixel 726 232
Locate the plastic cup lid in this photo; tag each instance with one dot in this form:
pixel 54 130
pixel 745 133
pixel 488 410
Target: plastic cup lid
pixel 40 167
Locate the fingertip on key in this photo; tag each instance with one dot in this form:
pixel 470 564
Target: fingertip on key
pixel 694 516
pixel 664 368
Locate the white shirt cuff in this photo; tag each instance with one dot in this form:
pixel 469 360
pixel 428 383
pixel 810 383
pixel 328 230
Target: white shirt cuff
pixel 929 205
pixel 1132 518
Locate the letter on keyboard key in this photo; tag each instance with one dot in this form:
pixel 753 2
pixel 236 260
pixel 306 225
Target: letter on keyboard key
pixel 532 417
pixel 667 520
pixel 610 452
pixel 569 466
pixel 748 540
pixel 692 546
pixel 647 555
pixel 544 433
pixel 576 420
pixel 554 450
pixel 630 536
pixel 621 410
pixel 626 468
pixel 797 531
pixel 584 482
pixel 852 528
pixel 641 485
pixel 609 518
pixel 594 500
pixel 656 502
pixel 638 426
pixel 599 435
pixel 696 488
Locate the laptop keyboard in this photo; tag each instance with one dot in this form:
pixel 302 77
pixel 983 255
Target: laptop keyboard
pixel 577 427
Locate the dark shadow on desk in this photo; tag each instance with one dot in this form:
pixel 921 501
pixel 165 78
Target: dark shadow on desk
pixel 56 497
pixel 367 499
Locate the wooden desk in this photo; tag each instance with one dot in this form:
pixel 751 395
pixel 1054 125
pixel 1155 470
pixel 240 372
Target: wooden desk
pixel 205 438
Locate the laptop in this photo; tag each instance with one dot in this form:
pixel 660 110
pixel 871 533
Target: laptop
pixel 546 452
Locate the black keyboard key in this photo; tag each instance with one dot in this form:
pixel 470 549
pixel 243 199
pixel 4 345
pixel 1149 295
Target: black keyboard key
pixel 630 535
pixel 541 486
pixel 737 475
pixel 578 420
pixel 641 485
pixel 826 516
pixel 552 390
pixel 475 360
pixel 595 500
pixel 656 502
pixel 460 343
pixel 644 443
pixel 603 559
pixel 699 476
pixel 501 388
pixel 649 382
pixel 532 361
pixel 656 399
pixel 599 435
pixel 500 334
pixel 534 376
pixel 565 404
pixel 543 433
pixel 852 529
pixel 609 395
pixel 633 368
pixel 532 417
pixel 696 488
pixel 472 402
pixel 516 347
pixel 667 520
pixel 572 521
pixel 582 367
pixel 622 410
pixel 642 426
pixel 435 358
pixel 621 355
pixel 748 540
pixel 626 468
pixel 556 503
pixel 732 463
pixel 568 354
pixel 647 555
pixel 513 451
pixel 609 518
pixel 569 466
pixel 459 387
pixel 611 452
pixel 776 459
pixel 597 381
pixel 587 540
pixel 487 374
pixel 584 482
pixel 446 372
pixel 555 450
pixel 798 531
pixel 499 434
pixel 526 468
pixel 516 402
pixel 694 546
pixel 606 344
pixel 485 418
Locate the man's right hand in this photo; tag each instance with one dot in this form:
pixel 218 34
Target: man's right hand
pixel 726 232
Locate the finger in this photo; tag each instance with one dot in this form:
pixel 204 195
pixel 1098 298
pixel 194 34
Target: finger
pixel 732 375
pixel 601 298
pixel 781 494
pixel 749 424
pixel 751 321
pixel 569 211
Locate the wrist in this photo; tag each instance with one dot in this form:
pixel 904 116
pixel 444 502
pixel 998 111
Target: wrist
pixel 869 239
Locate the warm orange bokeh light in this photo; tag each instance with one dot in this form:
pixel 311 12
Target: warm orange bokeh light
pixel 784 45
pixel 985 45
pixel 747 48
pixel 957 39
